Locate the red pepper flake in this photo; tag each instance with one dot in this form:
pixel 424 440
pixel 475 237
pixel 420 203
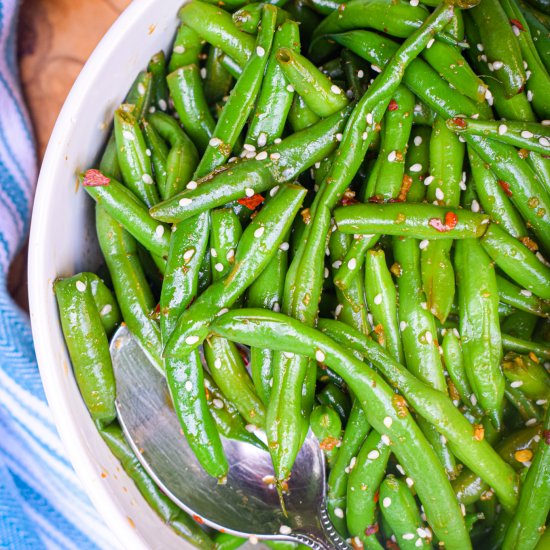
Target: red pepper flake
pixel 198 519
pixel 376 496
pixel 505 187
pixel 460 122
pixel 518 24
pixel 329 443
pixel 376 199
pixel 546 436
pixel 94 178
pixel 371 530
pixel 393 106
pixel 356 543
pixel 450 222
pixel 252 202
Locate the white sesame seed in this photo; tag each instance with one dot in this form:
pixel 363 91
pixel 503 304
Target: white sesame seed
pixel 526 134
pixel 218 403
pixel 545 142
pixel 276 307
pixel 424 244
pixel 338 512
pixel 502 129
pixel 326 273
pixel 429 337
pixel 424 305
pixel 191 340
pixel 230 255
pixel 378 299
pixel 529 95
pixel 285 530
pixel 516 384
pixel 421 533
pixel 439 195
pixel 259 232
pixel 443 439
pixel 528 75
pixel 541 401
pixel 179 49
pixel 352 463
pixel 463 509
pixel 336 264
pixel 525 65
pixel 542 259
pixel 159 231
pixel 284 246
pixel 409 482
pixel 365 136
pixel 290 88
pixel 338 310
pixel 185 201
pixel 128 135
pixel 262 155
pixel 531 422
pixel 288 354
pixel 339 136
pixel 217 363
pixel 262 139
pixel 418 543
pixel 515 30
pixel 545 122
pixel 417 167
pixel 148 152
pixel 163 105
pixel 275 156
pixel 218 267
pixel 417 140
pixel 260 51
pixel 192 185
pixel 320 356
pixel 489 96
pixel 335 89
pixel 360 73
pixel 222 311
pixel 106 309
pixel 428 180
pixel 392 156
pixel 249 192
pixel 369 118
pixel 152 109
pixel 400 469
pixel 188 385
pixel 526 292
pixel 373 455
pixel 497 65
pixel 203 73
pixel 408 536
pixel 386 502
pixel 352 264
pixel 251 428
pixel 273 191
pixel 215 142
pixel 276 141
pixel 385 439
pixel 473 399
pixel 475 206
pixel 483 58
pixel 430 43
pixel 376 68
pixel 188 254
pixel 249 147
pixel 81 286
pixel 403 325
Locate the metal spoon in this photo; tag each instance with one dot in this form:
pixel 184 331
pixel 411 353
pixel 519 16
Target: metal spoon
pixel 247 505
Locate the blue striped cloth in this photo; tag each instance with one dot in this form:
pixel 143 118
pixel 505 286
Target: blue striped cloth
pixel 42 504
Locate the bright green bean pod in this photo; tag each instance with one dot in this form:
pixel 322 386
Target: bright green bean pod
pixel 500 45
pixel 382 302
pixel 218 81
pixel 530 375
pixel 364 479
pixel 539 33
pixel 517 261
pixel 520 324
pixel 420 221
pixel 186 90
pixel 528 135
pixel 106 304
pixel 416 323
pixel 493 198
pixel 186 48
pixel 327 427
pixel 132 291
pixel 524 406
pixel 353 260
pixel 318 92
pixel 228 371
pixel 275 98
pixel 440 447
pixel 159 90
pixel 173 516
pixel 159 154
pixel 134 163
pixel 396 130
pixel 510 343
pixel 406 440
pixel 225 233
pixel 241 99
pixel 417 164
pixel 258 245
pixel 479 326
pixel 128 210
pixel 300 116
pixel 521 298
pixel 332 396
pixel 225 541
pixel 402 514
pixel 454 364
pixel 88 346
pixel 527 524
pixel 438 409
pixel 356 71
pixel 217 27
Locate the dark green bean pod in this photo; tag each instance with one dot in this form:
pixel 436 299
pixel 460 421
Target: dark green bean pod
pixel 158 151
pixel 327 427
pixel 173 516
pixel 522 371
pixel 186 49
pixel 500 45
pixel 159 90
pixel 509 343
pixel 275 98
pixel 347 272
pixel 218 81
pixel 128 210
pixel 436 408
pixel 396 130
pixel 527 135
pixel 105 302
pixel 420 221
pixel 318 92
pixel 225 541
pixel 401 512
pixel 225 233
pixel 355 433
pixel 365 476
pixel 480 327
pixel 521 298
pixel 520 324
pixel 88 346
pixel 132 291
pixel 186 91
pixel 524 406
pixel 417 164
pixel 229 372
pixel 539 33
pixel 440 447
pixel 134 163
pixel 332 396
pixel 357 73
pixel 517 261
pixel 407 442
pixel 423 115
pixel 300 116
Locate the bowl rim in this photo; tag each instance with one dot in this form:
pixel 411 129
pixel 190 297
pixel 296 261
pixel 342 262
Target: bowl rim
pixel 66 424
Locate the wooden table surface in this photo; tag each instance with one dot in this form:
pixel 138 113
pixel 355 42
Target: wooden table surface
pixel 55 39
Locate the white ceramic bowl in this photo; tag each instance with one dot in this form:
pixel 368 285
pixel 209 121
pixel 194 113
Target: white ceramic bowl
pixel 63 242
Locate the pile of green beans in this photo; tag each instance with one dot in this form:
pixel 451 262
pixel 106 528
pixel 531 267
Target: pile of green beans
pixel 359 193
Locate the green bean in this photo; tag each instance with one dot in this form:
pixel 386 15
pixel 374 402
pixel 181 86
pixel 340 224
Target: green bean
pixel 527 135
pixel 530 375
pixel 440 446
pixel 139 94
pixel 401 512
pixel 524 406
pixel 275 99
pixel 521 298
pixel 517 261
pixel 318 92
pixel 256 326
pixel 224 237
pixel 539 32
pixel 300 116
pixel 327 427
pixel 225 541
pixel 520 324
pixel 509 343
pixel 159 91
pixel 218 81
pixel 479 326
pixel 364 479
pixel 331 395
pixel 347 272
pixel 186 49
pixel 131 288
pixel 216 27
pixel 88 346
pixel 417 165
pixel 306 18
pixel 420 221
pixel 356 71
pixel 159 154
pixel 134 163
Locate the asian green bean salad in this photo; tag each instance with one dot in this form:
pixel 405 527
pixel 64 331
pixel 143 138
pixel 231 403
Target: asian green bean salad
pixel 358 192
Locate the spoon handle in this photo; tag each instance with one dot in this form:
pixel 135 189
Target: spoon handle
pixel 326 538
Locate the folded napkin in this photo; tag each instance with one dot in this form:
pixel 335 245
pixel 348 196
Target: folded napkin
pixel 42 504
